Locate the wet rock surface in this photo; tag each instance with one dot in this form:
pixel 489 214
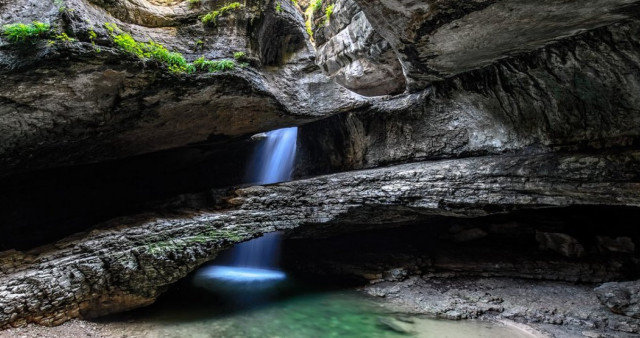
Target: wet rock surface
pixel 437 39
pixel 129 262
pixel 355 55
pixel 572 95
pixel 550 90
pixel 622 298
pixel 84 100
pixel 557 309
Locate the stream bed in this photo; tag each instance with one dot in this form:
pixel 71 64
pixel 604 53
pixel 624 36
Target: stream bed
pixel 311 314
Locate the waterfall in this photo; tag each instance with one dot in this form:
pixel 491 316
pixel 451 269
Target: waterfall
pixel 274 157
pixel 254 262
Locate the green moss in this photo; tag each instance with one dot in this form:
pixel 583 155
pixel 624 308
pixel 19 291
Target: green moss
pixel 181 243
pixel 194 3
pixel 212 17
pixel 149 50
pixel 60 4
pixel 92 37
pixel 316 6
pixel 155 51
pixel 19 32
pixel 278 7
pixel 239 55
pixel 327 13
pixel 64 38
pixel 112 28
pixel 309 16
pixel 199 44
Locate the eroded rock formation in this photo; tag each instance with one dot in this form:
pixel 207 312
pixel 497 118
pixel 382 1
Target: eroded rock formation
pixel 82 101
pixel 501 107
pixel 437 39
pixel 130 262
pixel 581 93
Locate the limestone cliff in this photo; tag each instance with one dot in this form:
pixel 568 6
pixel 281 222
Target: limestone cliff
pixel 459 111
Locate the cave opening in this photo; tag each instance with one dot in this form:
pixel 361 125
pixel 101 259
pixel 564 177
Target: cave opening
pixel 343 278
pixel 474 162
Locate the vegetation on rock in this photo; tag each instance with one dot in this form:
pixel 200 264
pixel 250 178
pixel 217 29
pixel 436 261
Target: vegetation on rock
pixel 239 55
pixel 19 32
pixel 62 37
pixel 316 6
pixel 308 24
pixel 212 17
pixel 313 9
pixel 327 14
pixel 149 50
pixel 175 61
pixel 180 243
pixel 213 66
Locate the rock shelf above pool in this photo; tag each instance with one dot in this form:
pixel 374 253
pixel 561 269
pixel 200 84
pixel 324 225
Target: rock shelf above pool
pixel 126 263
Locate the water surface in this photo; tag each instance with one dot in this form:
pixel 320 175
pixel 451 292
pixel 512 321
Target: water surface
pixel 316 314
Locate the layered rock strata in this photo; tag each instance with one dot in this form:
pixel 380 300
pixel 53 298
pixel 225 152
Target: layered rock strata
pixel 128 263
pixel 577 94
pixel 435 40
pixel 84 100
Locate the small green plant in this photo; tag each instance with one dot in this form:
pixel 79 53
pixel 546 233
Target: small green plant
pixel 213 66
pixel 64 38
pixel 317 6
pixel 222 65
pixel 149 50
pixel 175 62
pixel 194 3
pixel 278 7
pixel 201 63
pixel 19 32
pixel 239 55
pixel 199 44
pixel 92 37
pixel 112 28
pixel 212 17
pixel 327 14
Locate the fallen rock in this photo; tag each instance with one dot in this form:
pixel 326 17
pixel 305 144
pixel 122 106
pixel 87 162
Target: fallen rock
pixel 621 298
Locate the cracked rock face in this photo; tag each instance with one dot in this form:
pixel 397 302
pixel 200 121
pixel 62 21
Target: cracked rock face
pixel 436 39
pixel 519 106
pixel 129 262
pixel 622 298
pixel 580 93
pixel 86 101
pixel 355 55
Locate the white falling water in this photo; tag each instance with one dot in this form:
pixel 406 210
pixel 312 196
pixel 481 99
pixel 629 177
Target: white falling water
pixel 274 157
pixel 254 262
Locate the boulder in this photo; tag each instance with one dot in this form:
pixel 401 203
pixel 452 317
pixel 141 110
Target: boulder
pixel 621 297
